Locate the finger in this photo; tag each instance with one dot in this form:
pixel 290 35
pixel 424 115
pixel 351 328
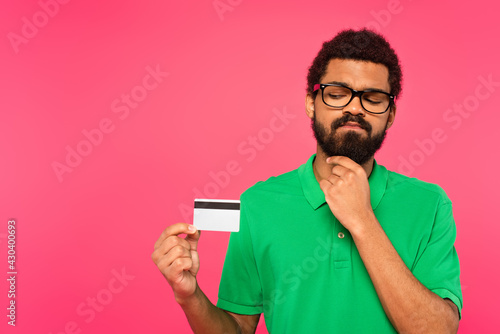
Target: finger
pixel 161 251
pixel 173 270
pixel 343 161
pixel 192 239
pixel 347 163
pixel 175 253
pixel 164 261
pixel 180 265
pixel 175 229
pixel 325 185
pixel 195 263
pixel 173 241
pixel 340 171
pixel 167 244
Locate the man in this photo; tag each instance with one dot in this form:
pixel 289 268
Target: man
pixel 341 244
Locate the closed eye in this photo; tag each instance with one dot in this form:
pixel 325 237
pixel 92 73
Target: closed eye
pixel 372 101
pixel 336 96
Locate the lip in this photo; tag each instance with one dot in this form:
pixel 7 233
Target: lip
pixel 352 126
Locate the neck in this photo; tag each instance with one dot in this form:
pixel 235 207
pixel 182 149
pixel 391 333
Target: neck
pixel 322 170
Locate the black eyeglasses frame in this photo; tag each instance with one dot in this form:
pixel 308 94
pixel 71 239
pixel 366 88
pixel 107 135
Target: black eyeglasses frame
pixel 355 93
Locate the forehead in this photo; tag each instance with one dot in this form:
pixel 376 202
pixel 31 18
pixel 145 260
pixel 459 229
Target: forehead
pixel 357 74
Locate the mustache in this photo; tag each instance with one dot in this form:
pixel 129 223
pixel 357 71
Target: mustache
pixel 352 118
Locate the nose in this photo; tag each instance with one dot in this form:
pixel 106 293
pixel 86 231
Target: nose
pixel 354 107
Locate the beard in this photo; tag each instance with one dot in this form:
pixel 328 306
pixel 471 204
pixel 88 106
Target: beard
pixel 351 144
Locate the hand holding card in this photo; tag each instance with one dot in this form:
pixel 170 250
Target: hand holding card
pixel 217 215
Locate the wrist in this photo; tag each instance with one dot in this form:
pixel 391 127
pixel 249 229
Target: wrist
pixel 188 300
pixel 364 226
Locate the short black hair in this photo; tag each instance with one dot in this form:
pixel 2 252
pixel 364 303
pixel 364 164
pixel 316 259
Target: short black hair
pixel 364 45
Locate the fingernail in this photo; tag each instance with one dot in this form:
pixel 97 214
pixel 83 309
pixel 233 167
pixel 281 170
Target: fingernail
pixel 192 228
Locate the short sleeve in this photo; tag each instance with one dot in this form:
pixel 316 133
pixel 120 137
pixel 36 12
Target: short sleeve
pixel 438 267
pixel 240 290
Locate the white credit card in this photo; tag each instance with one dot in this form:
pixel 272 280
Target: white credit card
pixel 217 215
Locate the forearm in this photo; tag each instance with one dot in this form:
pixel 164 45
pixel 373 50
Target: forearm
pixel 410 306
pixel 206 318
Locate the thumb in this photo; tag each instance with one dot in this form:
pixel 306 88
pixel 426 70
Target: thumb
pixel 193 236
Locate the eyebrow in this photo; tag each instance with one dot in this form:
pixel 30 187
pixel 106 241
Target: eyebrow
pixel 347 85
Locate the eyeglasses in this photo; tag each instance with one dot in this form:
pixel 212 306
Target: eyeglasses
pixel 338 96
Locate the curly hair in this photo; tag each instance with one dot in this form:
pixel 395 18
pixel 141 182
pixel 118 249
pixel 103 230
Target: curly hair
pixel 365 45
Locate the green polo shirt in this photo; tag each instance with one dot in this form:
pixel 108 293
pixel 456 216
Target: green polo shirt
pixel 293 261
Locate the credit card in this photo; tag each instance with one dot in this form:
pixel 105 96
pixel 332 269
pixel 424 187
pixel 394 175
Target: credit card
pixel 217 215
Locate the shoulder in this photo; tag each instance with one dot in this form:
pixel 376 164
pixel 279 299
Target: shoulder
pixel 416 189
pixel 288 182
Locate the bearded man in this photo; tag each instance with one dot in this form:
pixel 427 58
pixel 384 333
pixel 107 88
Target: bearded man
pixel 341 244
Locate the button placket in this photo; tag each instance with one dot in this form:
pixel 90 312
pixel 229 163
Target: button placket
pixel 341 246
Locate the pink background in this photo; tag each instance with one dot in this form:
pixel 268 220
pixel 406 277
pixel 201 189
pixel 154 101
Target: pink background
pixel 228 75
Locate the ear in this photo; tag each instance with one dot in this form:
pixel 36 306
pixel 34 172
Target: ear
pixel 309 106
pixel 392 116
